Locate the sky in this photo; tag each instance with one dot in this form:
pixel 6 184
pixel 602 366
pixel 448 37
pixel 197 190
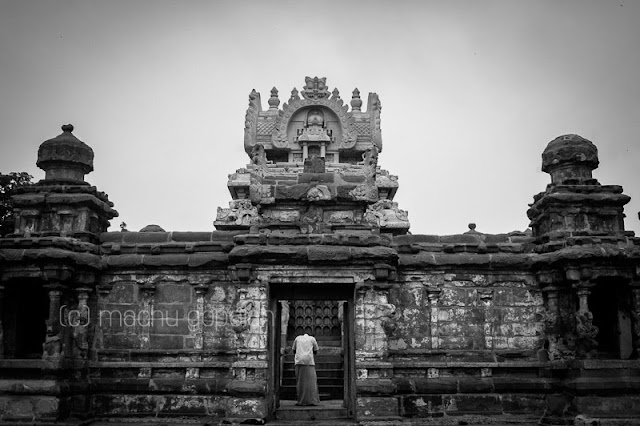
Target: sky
pixel 471 94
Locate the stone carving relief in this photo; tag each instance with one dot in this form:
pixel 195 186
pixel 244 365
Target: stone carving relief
pixel 315 88
pixel 364 193
pixel 319 193
pixel 258 155
pixel 250 120
pixel 370 158
pixel 375 107
pixel 52 346
pixel 240 212
pixel 315 94
pixel 387 315
pixel 385 213
pixel 586 343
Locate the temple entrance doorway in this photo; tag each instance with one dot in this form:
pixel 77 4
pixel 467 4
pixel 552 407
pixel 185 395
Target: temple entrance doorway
pixel 326 312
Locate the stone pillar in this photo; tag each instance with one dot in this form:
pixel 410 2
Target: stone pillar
pixel 305 151
pixel 586 332
pixel 52 346
pixel 635 314
pixel 323 150
pixel 433 294
pixel 1 325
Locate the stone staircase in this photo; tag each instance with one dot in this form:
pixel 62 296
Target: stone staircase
pixel 329 369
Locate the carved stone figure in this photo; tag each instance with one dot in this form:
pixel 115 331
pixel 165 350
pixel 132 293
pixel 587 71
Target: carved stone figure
pixel 52 346
pixel 240 212
pixel 315 88
pixel 250 120
pixel 258 155
pixel 370 158
pixel 319 193
pixel 586 343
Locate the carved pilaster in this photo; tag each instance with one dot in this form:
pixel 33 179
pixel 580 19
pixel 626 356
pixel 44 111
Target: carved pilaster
pixel 433 294
pixel 148 291
pixel 52 346
pixel 486 298
pixel 586 332
pixel 80 322
pixel 555 347
pixel 196 325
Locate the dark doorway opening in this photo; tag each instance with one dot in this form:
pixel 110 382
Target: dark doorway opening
pixel 26 310
pixel 609 302
pixel 325 311
pixel 321 319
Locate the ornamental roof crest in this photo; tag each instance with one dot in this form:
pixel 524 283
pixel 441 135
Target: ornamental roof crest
pixel 313 118
pixel 315 88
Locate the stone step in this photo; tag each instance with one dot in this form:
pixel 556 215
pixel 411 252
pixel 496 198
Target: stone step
pixel 322 343
pixel 326 410
pixel 319 366
pixel 322 381
pixel 328 372
pixel 329 357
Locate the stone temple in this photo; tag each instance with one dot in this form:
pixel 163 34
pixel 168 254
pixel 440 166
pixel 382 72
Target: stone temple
pixel 195 327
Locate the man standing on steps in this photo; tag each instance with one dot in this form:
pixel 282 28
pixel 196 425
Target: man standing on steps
pixel 304 347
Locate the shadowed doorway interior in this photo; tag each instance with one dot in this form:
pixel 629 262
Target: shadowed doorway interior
pixel 325 311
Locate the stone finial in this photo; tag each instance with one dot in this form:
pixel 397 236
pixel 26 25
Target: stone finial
pixel 152 228
pixel 273 100
pixel 294 95
pixel 335 94
pixel 65 157
pixel 570 159
pixel 472 229
pixel 356 102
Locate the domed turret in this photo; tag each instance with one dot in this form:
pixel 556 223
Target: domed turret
pixel 570 159
pixel 65 158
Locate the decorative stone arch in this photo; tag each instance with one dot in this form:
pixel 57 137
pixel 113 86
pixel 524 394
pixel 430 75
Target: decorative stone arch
pixel 347 121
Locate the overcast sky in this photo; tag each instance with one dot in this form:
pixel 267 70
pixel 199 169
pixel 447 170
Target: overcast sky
pixel 471 93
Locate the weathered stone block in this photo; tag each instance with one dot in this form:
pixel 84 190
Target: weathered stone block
pixel 163 341
pixel 422 406
pixel 621 405
pixel 183 405
pixel 404 385
pixel 472 404
pixel 322 253
pixel 123 293
pixel 121 341
pixel 375 387
pixel 247 388
pixel 170 326
pixel 316 177
pixel 523 404
pixel 246 407
pixel 436 385
pixel 173 293
pixel 377 406
pixel 475 385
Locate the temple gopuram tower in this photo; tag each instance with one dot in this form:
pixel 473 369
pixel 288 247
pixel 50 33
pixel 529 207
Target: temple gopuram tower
pixel 314 168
